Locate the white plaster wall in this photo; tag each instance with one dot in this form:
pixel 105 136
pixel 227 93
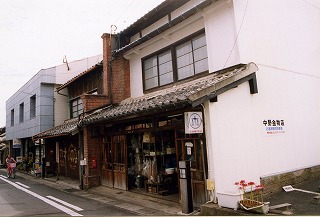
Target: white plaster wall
pixel 233 147
pixel 155 26
pixel 75 67
pixel 280 33
pixel 221 36
pixel 282 38
pixel 61 112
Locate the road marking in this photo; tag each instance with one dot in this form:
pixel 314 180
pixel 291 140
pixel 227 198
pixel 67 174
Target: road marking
pixel 52 203
pixel 25 186
pixel 65 203
pixel 3 176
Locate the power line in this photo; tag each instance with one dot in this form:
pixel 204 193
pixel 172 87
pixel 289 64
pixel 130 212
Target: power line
pixel 130 5
pixel 236 40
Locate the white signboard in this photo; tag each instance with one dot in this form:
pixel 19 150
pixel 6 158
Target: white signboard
pixel 273 126
pixel 193 122
pixel 16 143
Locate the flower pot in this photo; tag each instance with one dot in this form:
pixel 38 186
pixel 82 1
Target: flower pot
pixel 254 206
pixel 228 199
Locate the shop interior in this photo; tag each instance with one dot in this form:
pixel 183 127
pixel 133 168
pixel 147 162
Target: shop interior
pixel 152 163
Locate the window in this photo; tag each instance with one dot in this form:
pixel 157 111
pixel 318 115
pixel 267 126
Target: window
pixel 76 107
pixel 158 70
pixel 12 117
pixel 33 106
pixel 21 112
pixel 192 57
pixel 178 62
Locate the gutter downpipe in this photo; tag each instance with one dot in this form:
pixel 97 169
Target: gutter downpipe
pixel 110 81
pixel 203 158
pixel 81 151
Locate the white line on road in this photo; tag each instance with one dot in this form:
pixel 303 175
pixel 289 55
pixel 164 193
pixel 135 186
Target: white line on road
pixel 65 203
pixel 52 203
pixel 25 186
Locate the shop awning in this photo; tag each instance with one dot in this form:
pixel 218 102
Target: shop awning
pixel 192 93
pixel 69 127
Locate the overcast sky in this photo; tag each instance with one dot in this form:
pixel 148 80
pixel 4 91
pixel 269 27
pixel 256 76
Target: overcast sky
pixel 36 34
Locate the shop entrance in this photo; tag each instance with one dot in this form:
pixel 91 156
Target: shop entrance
pixel 114 172
pixel 152 164
pixel 191 147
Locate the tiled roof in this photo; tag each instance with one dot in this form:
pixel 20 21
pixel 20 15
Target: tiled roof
pixel 69 127
pixel 191 93
pixel 79 75
pixel 163 9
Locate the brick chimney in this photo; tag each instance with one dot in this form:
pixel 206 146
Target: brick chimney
pixel 116 76
pixel 106 40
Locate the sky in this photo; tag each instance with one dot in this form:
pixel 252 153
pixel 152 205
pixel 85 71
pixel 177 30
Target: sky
pixel 37 34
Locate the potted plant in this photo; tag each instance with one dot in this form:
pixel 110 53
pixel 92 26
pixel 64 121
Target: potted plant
pixel 251 198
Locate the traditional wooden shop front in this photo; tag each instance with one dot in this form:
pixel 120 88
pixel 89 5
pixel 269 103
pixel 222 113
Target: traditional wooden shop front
pixel 144 154
pixel 62 149
pixel 141 140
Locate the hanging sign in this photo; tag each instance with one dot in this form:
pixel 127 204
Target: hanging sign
pixel 193 122
pixel 273 126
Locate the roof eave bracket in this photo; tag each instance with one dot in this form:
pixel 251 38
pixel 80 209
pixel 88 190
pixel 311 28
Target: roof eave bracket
pixel 213 96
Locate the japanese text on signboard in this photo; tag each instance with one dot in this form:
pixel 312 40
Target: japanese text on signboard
pixel 273 126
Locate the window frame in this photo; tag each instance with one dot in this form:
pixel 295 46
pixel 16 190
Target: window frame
pixel 32 106
pixel 12 117
pixel 21 112
pixel 78 111
pixel 172 48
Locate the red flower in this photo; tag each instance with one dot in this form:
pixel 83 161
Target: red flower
pixel 251 183
pixel 236 183
pixel 242 181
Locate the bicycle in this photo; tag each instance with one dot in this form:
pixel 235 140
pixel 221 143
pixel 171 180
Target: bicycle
pixel 11 170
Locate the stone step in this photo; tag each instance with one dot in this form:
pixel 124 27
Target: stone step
pixel 164 192
pixel 317 198
pixel 283 206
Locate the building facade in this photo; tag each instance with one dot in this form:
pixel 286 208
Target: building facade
pixel 36 107
pixel 227 85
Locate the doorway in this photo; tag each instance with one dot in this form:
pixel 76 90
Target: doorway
pixel 190 147
pixel 114 172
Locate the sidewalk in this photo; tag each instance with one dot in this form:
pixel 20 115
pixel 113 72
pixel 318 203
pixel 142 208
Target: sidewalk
pixel 141 204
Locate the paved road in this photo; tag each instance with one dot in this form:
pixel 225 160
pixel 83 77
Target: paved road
pixel 22 197
pixel 303 203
